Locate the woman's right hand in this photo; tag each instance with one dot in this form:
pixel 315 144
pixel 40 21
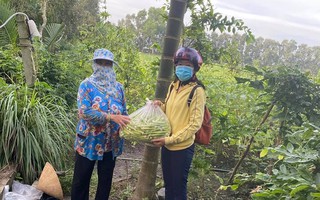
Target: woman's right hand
pixel 159 142
pixel 157 102
pixel 122 120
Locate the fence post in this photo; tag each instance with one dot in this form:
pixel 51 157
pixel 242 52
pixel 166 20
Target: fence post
pixel 26 51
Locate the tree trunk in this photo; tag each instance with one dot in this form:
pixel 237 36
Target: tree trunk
pixel 265 117
pixel 148 173
pixel 147 176
pixel 44 15
pixel 26 51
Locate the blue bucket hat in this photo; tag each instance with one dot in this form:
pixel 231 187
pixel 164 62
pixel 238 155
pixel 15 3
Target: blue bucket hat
pixel 103 54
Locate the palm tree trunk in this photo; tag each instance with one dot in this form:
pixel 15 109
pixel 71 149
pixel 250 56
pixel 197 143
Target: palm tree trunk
pixel 147 176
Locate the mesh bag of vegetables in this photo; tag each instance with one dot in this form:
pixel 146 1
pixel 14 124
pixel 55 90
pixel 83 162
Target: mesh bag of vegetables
pixel 147 123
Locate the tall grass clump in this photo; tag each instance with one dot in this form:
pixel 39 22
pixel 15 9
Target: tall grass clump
pixel 35 130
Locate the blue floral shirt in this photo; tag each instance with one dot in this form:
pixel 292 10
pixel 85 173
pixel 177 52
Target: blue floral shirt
pixel 95 135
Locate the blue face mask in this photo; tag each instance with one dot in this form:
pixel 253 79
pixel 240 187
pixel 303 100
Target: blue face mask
pixel 184 73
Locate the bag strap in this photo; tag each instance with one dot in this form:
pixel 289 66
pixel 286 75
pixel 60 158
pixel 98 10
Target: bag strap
pixel 170 90
pixel 192 93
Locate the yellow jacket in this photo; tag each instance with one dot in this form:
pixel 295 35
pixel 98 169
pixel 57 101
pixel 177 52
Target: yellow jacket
pixel 185 121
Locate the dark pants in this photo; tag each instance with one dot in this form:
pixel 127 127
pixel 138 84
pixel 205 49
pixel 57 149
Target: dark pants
pixel 82 174
pixel 175 169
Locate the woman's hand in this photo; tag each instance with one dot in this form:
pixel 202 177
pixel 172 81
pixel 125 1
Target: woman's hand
pixel 122 120
pixel 159 142
pixel 157 102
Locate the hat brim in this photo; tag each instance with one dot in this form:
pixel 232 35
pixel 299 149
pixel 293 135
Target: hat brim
pixel 116 63
pixel 101 58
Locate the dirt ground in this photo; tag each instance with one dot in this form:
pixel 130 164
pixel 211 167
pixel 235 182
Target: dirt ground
pixel 129 162
pixel 128 167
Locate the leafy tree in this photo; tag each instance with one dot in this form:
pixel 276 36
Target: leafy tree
pixel 304 59
pixel 295 97
pixel 149 26
pixel 231 56
pixel 71 13
pixel 204 19
pixel 265 52
pixel 30 7
pixel 270 54
pixel 253 51
pixel 286 50
pixel 9 32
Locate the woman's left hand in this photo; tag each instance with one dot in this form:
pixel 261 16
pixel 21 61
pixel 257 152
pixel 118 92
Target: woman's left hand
pixel 122 120
pixel 159 142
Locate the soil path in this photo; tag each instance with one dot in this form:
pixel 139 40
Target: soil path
pixel 128 164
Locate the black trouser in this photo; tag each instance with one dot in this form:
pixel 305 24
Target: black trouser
pixel 82 174
pixel 175 168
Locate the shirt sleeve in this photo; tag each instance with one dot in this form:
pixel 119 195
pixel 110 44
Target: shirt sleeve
pixel 88 111
pixel 124 102
pixel 195 120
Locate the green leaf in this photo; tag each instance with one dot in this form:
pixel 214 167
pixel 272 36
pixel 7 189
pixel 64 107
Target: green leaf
pixel 257 84
pixel 233 30
pixel 209 151
pixel 283 169
pixel 263 153
pixel 290 147
pixel 54 33
pixel 277 191
pixel 275 171
pixel 223 187
pixel 317 179
pixel 242 80
pixel 261 194
pixel 234 187
pixel 315 194
pixel 298 189
pixel 280 157
pixel 253 69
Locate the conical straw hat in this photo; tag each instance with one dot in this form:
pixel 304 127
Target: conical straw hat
pixel 49 182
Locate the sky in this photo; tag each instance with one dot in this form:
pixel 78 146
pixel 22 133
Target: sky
pixel 297 20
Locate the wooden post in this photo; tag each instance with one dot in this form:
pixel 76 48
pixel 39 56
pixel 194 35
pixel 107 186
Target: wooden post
pixel 7 175
pixel 26 51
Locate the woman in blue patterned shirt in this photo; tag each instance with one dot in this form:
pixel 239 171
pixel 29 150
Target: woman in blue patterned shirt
pixel 102 112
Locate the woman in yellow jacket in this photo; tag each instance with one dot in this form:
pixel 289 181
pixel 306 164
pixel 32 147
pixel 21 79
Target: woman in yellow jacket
pixel 178 148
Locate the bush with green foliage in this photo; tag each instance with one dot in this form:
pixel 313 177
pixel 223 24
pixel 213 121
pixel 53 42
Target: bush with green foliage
pixel 34 130
pixel 11 68
pixel 296 172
